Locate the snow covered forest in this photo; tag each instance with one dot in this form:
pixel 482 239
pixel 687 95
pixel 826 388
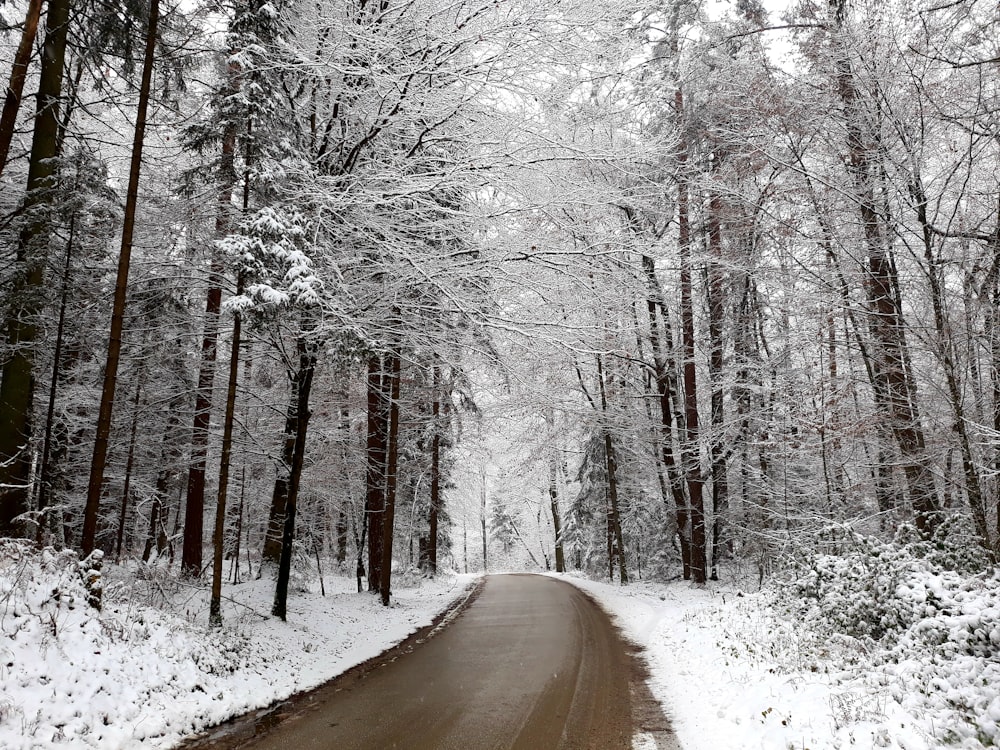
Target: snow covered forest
pixel 703 291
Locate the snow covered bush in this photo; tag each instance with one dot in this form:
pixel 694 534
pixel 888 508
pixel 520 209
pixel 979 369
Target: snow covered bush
pixel 924 625
pixel 72 673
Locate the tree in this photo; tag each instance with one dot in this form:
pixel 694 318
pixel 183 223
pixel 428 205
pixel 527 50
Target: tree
pixel 24 300
pixel 97 466
pixel 18 74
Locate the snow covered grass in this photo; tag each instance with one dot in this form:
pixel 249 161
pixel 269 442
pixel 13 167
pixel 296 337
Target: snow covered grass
pixel 877 646
pixel 146 671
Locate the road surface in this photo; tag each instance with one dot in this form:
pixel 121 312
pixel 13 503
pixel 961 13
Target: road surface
pixel 530 664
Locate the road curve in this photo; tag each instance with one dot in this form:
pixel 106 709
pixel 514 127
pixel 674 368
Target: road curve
pixel 530 664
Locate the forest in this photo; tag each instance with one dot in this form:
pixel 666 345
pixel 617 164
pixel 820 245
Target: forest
pixel 707 281
pixel 645 291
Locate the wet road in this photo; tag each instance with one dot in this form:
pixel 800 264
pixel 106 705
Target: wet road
pixel 530 664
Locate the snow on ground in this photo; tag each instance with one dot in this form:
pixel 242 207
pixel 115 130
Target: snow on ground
pixel 877 648
pixel 140 677
pixel 733 672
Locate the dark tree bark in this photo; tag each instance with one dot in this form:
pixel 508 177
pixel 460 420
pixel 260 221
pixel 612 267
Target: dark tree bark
pixel 611 464
pixel 885 493
pixel 342 523
pixel 482 522
pixel 666 386
pixel 375 474
pixel 194 506
pixel 194 513
pixel 271 553
pixel 556 516
pixel 18 73
pixel 898 390
pixel 391 465
pixel 99 461
pixel 129 462
pixel 341 530
pixel 225 459
pixel 304 378
pixel 718 448
pixel 25 298
pixel 692 463
pixel 435 499
pixel 45 468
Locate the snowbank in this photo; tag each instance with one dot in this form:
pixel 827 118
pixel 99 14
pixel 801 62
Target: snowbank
pixel 738 669
pixel 137 675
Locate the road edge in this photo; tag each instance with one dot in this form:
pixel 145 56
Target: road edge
pixel 651 727
pixel 237 731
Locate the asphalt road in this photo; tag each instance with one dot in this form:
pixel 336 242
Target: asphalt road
pixel 530 664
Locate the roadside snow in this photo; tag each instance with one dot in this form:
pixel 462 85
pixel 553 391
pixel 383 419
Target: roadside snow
pixel 138 676
pixel 730 675
pixel 734 668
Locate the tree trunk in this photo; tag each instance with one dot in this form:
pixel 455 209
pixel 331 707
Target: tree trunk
pixel 194 506
pixel 482 520
pixel 666 387
pixel 279 495
pixel 304 378
pixel 225 458
pixel 341 556
pixel 718 447
pixel 392 462
pixel 129 462
pixel 556 516
pixel 435 500
pixel 194 513
pixel 18 73
pixel 994 318
pixel 692 460
pixel 99 461
pixel 375 475
pixel 25 298
pixel 156 536
pixel 45 470
pixel 611 464
pixel 947 355
pixel 886 320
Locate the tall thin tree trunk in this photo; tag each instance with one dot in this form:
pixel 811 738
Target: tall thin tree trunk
pixel 194 513
pixel 994 318
pixel 237 537
pixel 391 465
pixel 378 415
pixel 884 488
pixel 692 461
pixel 898 390
pixel 194 505
pixel 304 377
pixel 156 536
pixel 129 462
pixel 435 500
pixel 24 298
pixel 666 387
pixel 947 355
pixel 611 464
pixel 271 552
pixel 45 470
pixel 225 458
pixel 99 461
pixel 556 515
pixel 718 447
pixel 482 519
pixel 18 73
